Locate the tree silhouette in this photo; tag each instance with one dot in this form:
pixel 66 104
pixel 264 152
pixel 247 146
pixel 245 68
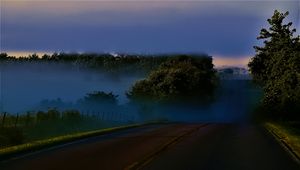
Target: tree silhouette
pixel 276 65
pixel 98 98
pixel 3 56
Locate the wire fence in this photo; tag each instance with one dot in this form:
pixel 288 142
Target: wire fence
pixel 33 118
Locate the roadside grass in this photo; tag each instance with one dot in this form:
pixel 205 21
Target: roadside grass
pixel 34 126
pixel 288 132
pixel 40 144
pixel 50 129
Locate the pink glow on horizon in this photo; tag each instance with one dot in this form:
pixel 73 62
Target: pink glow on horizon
pixel 231 61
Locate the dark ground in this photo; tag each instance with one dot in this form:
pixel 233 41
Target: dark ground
pixel 169 146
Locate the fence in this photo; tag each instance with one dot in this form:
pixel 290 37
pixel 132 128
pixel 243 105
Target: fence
pixel 31 119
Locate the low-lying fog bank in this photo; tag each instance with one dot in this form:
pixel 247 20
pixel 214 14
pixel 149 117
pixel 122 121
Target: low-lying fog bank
pixel 24 87
pixel 27 87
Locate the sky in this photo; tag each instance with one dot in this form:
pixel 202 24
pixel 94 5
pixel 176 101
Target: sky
pixel 226 30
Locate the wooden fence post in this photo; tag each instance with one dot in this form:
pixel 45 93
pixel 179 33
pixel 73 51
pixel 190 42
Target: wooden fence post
pixel 3 118
pixel 16 122
pixel 27 119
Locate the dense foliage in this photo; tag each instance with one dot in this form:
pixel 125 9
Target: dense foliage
pixel 276 67
pixel 182 78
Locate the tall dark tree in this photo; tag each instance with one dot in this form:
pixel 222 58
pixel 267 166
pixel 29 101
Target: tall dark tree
pixel 276 65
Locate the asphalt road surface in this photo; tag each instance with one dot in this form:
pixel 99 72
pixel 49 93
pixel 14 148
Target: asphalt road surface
pixel 165 147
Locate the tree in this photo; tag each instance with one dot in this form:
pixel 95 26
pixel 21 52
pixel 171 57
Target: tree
pixel 33 57
pixel 99 98
pixel 3 56
pixel 182 78
pixel 46 57
pixel 276 65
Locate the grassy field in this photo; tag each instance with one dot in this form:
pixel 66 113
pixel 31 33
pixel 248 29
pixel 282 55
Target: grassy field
pixel 288 132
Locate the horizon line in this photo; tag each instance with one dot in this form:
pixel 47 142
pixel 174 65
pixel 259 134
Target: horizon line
pixel 218 60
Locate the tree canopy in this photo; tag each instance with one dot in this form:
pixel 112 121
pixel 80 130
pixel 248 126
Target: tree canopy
pixel 180 78
pixel 276 65
pixel 99 98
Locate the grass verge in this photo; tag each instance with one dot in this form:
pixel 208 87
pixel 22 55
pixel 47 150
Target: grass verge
pixel 40 144
pixel 287 135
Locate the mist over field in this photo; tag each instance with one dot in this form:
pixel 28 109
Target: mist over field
pixel 26 86
pixel 235 101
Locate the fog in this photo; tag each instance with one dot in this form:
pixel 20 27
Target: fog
pixel 235 101
pixel 25 86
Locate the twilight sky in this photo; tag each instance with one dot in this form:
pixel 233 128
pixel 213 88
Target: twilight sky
pixel 224 29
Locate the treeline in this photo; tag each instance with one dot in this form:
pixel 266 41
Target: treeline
pixel 106 61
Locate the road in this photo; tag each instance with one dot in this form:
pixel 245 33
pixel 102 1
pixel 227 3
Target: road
pixel 169 146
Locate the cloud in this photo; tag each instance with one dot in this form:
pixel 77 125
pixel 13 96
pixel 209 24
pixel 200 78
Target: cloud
pixel 129 10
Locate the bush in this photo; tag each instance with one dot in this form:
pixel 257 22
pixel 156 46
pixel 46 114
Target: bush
pixel 181 78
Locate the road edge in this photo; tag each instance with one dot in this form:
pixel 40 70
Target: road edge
pixel 12 151
pixel 281 140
